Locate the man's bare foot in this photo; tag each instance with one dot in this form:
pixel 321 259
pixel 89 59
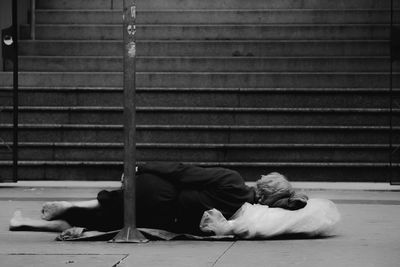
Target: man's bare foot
pixel 16 221
pixel 53 210
pixel 20 223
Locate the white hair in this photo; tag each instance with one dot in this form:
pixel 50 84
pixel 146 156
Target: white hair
pixel 271 187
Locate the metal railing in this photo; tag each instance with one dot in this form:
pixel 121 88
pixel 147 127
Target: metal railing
pixel 10 53
pixel 33 19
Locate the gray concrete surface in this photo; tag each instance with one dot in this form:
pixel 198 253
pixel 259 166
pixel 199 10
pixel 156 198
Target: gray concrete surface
pixel 368 235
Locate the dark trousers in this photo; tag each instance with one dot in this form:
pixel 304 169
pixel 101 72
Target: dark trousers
pixel 155 207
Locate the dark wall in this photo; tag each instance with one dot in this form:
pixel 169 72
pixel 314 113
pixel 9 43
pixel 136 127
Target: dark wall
pixel 6 16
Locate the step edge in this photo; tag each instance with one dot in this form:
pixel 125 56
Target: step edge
pixel 197 89
pixel 301 57
pixel 203 145
pixel 226 164
pixel 221 10
pixel 199 127
pixel 39 41
pixel 220 25
pixel 200 109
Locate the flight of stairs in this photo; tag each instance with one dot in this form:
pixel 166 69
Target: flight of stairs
pixel 300 87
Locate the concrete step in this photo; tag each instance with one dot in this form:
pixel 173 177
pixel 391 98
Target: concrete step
pixel 204 48
pixel 6 151
pixel 6 99
pixel 254 131
pixel 63 170
pixel 209 134
pixel 251 171
pixel 210 4
pixel 205 116
pixel 206 97
pixel 328 153
pixel 198 64
pixel 208 79
pixel 213 32
pixel 224 16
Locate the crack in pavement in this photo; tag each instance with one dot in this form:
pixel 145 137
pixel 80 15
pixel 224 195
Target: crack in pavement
pixel 120 261
pixel 223 253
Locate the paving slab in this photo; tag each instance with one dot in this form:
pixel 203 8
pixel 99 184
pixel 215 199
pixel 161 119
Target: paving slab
pixel 178 253
pixel 57 260
pixel 367 236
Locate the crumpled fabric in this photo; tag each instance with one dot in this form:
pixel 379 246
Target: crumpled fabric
pixel 254 221
pixel 83 234
pixel 71 233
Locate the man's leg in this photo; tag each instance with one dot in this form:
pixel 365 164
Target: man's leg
pixel 20 223
pixel 156 207
pixel 56 209
pixel 90 214
pixel 156 202
pixel 60 215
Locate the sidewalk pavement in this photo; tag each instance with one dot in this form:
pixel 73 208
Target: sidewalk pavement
pixel 368 235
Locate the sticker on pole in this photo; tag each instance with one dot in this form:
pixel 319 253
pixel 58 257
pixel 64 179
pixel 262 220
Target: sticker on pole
pixel 131 48
pixel 131 29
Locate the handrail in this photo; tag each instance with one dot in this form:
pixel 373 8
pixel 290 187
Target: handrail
pixel 33 19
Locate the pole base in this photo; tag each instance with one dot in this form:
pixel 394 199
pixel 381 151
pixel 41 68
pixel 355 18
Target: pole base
pixel 129 235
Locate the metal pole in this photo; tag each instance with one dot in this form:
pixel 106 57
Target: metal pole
pixel 129 234
pixel 33 19
pixel 15 89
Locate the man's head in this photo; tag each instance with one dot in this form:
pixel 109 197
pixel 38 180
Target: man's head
pixel 272 187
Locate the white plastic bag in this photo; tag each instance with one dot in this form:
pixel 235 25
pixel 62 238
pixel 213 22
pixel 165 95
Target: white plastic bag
pixel 318 218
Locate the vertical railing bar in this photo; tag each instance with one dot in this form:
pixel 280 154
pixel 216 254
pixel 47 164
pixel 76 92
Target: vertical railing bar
pixel 15 89
pixel 391 96
pixel 33 19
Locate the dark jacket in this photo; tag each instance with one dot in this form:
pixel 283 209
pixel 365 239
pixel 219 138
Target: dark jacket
pixel 200 189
